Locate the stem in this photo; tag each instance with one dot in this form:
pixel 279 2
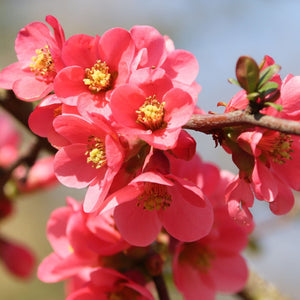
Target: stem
pixel 212 122
pixel 161 287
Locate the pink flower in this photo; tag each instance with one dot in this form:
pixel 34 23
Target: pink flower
pixel 212 264
pixel 80 242
pixel 9 141
pixel 185 147
pixel 152 201
pixel 207 176
pixel 267 160
pixel 151 109
pixel 95 66
pixel 110 284
pixel 41 175
pixel 18 259
pixel 156 51
pixel 41 119
pixel 39 55
pixel 93 157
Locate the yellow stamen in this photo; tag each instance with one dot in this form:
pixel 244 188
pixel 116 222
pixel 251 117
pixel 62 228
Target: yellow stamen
pixel 96 152
pixel 43 64
pixel 57 111
pixel 98 78
pixel 155 196
pixel 151 114
pixel 277 145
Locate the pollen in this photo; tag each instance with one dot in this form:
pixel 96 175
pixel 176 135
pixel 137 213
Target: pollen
pixel 98 78
pixel 151 114
pixel 278 146
pixel 57 111
pixel 155 196
pixel 42 64
pixel 96 152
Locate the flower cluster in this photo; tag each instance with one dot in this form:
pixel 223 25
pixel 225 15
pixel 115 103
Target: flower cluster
pixel 268 160
pixel 114 107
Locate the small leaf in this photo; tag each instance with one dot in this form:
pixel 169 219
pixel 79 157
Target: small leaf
pixel 233 81
pixel 268 88
pixel 276 106
pixel 247 73
pixel 253 96
pixel 267 74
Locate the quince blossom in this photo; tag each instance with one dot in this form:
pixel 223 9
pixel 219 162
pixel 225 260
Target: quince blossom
pixel 268 160
pixel 214 263
pixel 17 258
pixel 94 67
pixel 92 158
pixel 109 284
pixel 150 108
pixel 152 201
pixel 80 242
pixel 39 54
pixel 156 51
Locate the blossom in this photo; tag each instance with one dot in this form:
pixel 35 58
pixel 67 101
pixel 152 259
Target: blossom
pixel 18 259
pixel 41 119
pixel 267 159
pixel 80 242
pixel 212 264
pixel 154 50
pixel 92 158
pixel 150 108
pixel 152 201
pixel 110 284
pixel 94 67
pixel 41 175
pixel 39 59
pixel 9 141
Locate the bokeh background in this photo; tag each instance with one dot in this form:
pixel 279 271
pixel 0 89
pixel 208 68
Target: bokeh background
pixel 217 32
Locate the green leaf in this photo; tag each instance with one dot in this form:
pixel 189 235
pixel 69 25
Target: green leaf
pixel 276 106
pixel 233 81
pixel 267 74
pixel 268 88
pixel 247 73
pixel 253 96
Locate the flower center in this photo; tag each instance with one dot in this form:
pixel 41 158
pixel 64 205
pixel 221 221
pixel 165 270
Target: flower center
pixel 155 196
pixel 151 114
pixel 57 111
pixel 277 145
pixel 98 78
pixel 197 255
pixel 95 152
pixel 123 293
pixel 42 64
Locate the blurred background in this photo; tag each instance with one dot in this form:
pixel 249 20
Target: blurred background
pixel 217 33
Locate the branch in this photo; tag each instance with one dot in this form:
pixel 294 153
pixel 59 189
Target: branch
pixel 212 122
pixel 161 287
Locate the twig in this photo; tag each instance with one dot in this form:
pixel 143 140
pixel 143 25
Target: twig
pixel 211 122
pixel 161 287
